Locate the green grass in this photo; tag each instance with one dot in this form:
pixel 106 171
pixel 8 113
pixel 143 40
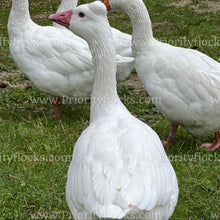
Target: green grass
pixel 35 150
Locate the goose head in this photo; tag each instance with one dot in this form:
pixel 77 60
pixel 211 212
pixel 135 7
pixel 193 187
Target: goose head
pixel 85 20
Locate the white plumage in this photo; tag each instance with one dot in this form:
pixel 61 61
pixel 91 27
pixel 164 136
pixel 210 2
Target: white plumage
pixel 119 168
pixel 55 61
pixel 186 81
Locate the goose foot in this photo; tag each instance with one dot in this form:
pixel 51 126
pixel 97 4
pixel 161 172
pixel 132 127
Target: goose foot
pixel 210 146
pixel 171 136
pixel 57 111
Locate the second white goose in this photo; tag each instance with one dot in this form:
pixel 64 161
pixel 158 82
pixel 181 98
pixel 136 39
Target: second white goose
pixel 186 81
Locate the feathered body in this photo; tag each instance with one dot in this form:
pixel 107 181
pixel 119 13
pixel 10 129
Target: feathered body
pixel 56 61
pixel 119 169
pixel 186 81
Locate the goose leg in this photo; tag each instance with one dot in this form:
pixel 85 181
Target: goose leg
pixel 171 136
pixel 210 146
pixel 57 111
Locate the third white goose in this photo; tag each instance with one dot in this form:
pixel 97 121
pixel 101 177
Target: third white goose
pixel 55 61
pixel 186 81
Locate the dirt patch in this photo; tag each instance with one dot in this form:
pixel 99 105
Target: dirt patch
pixel 135 82
pixel 208 6
pixel 203 6
pixel 25 83
pixel 3 84
pixel 4 75
pixel 40 16
pixel 5 5
pixel 11 80
pixel 158 24
pixel 182 3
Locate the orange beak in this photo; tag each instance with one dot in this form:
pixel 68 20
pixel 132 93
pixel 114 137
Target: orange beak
pixel 106 2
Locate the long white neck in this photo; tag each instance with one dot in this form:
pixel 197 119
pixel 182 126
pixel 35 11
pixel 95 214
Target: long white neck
pixel 142 34
pixel 104 94
pixel 19 19
pixel 66 5
pixel 19 13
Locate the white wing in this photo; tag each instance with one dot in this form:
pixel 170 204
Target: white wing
pixel 54 60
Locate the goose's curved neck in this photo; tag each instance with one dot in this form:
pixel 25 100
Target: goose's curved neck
pixel 19 13
pixel 104 93
pixel 142 34
pixel 66 5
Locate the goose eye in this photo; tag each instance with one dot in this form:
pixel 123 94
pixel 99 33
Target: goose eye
pixel 81 14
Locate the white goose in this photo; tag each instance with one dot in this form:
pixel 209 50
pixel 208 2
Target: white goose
pixel 187 81
pixel 55 61
pixel 119 168
pixel 122 41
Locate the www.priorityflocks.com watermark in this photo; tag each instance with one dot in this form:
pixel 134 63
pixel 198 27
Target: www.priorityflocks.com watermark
pixel 95 100
pixel 41 158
